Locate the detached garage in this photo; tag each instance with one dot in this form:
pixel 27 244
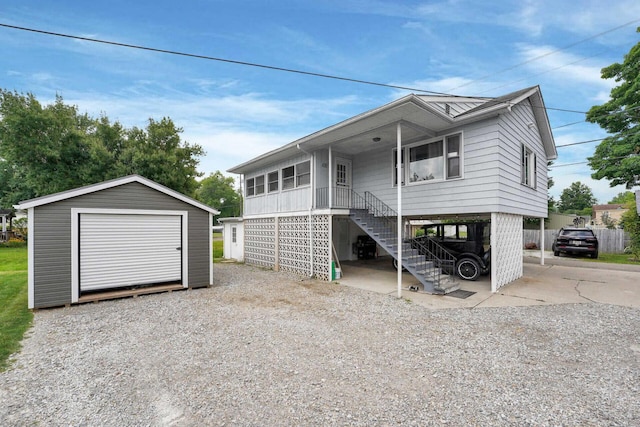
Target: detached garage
pixel 121 234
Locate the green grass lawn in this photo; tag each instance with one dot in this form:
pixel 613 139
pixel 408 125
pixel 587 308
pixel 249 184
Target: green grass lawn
pixel 614 259
pixel 15 317
pixel 217 250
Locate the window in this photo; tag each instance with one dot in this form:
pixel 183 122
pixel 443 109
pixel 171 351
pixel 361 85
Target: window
pixel 453 156
pixel 273 182
pixel 255 186
pixel 251 187
pixel 303 173
pixel 395 167
pixel 296 176
pixel 259 184
pixel 341 175
pixel 426 162
pixel 288 181
pixel 434 160
pixel 233 234
pixel 528 172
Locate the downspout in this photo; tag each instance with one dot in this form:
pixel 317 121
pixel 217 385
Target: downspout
pixel 311 200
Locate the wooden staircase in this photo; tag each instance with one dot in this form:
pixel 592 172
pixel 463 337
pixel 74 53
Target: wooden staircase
pixel 425 259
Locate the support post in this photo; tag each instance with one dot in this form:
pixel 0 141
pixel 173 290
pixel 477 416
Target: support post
pixel 541 241
pixel 399 190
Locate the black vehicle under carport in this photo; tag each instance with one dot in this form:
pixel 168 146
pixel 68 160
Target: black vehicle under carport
pixel 459 247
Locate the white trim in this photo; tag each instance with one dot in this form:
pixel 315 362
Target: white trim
pixel 211 251
pixel 399 199
pixel 110 184
pixel 493 242
pixel 30 257
pixel 75 261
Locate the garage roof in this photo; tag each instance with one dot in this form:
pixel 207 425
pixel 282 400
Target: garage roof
pixel 39 201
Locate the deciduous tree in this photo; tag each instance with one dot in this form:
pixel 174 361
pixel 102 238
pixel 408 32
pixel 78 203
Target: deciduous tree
pixel 617 157
pixel 52 148
pixel 219 191
pixel 577 199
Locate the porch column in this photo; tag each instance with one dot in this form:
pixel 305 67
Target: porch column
pixel 541 241
pixel 494 251
pixel 399 191
pixel 330 178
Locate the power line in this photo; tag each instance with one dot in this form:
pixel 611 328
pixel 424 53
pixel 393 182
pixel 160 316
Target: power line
pixel 581 142
pixel 251 64
pixel 567 164
pixel 226 60
pixel 585 162
pixel 289 70
pixel 568 124
pixel 542 72
pixel 547 54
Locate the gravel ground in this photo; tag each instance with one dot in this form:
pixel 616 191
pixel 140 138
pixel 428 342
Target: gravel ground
pixel 267 348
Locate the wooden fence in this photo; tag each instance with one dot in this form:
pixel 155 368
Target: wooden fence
pixel 609 241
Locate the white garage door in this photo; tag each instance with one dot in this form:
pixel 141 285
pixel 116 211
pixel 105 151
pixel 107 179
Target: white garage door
pixel 127 250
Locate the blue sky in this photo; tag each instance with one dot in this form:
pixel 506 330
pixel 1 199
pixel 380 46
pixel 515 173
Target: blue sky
pixel 465 47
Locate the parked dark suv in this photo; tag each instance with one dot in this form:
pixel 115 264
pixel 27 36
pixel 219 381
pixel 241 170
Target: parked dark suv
pixel 573 240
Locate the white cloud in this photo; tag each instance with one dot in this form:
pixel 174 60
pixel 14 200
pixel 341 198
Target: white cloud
pixel 563 177
pixel 231 129
pixel 562 65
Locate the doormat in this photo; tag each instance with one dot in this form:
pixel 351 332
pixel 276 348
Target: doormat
pixel 460 294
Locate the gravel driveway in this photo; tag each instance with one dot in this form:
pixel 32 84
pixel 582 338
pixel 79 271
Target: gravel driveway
pixel 267 348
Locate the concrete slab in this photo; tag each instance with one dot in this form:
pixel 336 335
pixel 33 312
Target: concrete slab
pixel 559 281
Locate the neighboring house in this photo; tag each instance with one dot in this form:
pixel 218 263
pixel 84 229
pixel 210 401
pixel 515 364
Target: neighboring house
pixel 6 215
pixel 607 216
pixel 556 220
pixel 461 157
pixel 120 234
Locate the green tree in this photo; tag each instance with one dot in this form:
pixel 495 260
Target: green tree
pixel 623 198
pixel 630 221
pixel 617 157
pixel 52 148
pixel 43 150
pixel 551 203
pixel 158 153
pixel 578 199
pixel 218 191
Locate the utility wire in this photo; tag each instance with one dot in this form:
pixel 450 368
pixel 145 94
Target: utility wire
pixel 291 70
pixel 583 163
pixel 570 45
pixel 230 61
pixel 252 64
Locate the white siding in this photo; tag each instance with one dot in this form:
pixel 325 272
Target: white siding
pixel 294 200
pixel 475 192
pixel 491 173
pixel 514 131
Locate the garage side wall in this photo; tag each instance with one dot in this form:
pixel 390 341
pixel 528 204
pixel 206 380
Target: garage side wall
pixel 52 237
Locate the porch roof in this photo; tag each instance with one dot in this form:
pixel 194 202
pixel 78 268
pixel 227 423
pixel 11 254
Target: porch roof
pixel 420 116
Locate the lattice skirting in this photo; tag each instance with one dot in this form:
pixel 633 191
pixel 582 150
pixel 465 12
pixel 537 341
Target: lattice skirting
pixel 260 242
pixel 285 243
pixel 506 249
